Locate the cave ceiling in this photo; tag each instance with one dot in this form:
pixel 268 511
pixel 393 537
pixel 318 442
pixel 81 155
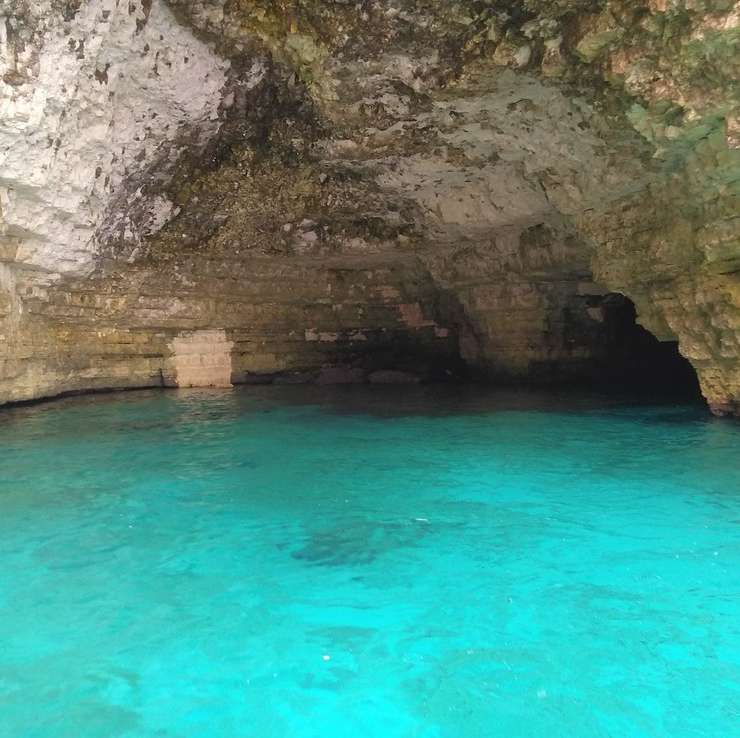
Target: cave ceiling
pixel 314 179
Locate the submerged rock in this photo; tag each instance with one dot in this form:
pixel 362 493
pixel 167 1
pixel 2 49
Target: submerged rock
pixel 359 543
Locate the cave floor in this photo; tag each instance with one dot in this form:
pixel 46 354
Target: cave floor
pixel 382 561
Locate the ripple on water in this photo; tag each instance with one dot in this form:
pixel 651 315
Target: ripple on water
pixel 425 563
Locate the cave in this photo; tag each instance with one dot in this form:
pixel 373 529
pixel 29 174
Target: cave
pixel 355 193
pixel 427 312
pixel 634 359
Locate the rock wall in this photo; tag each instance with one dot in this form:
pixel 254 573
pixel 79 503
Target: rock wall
pixel 201 359
pixel 288 320
pixel 674 247
pixel 100 99
pixel 677 254
pixel 363 192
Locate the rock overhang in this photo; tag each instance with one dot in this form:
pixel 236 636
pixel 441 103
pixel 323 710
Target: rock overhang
pixel 514 153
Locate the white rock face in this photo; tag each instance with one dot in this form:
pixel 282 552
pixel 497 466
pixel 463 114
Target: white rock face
pixel 92 111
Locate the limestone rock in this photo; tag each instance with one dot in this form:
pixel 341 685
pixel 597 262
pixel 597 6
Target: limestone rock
pixel 98 103
pixel 331 191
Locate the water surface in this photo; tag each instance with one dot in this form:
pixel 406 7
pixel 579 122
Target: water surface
pixel 394 563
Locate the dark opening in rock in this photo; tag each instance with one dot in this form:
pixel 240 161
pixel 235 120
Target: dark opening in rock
pixel 635 359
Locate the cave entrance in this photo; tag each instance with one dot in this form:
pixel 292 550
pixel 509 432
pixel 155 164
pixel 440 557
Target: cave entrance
pixel 634 359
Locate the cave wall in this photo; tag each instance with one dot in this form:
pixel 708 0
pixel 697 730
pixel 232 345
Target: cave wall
pixel 313 191
pixel 288 320
pixel 100 98
pixel 677 255
pixel 674 246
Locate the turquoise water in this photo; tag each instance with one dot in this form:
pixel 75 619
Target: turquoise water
pixel 427 563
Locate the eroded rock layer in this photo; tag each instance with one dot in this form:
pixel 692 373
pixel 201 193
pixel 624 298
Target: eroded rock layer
pixel 211 192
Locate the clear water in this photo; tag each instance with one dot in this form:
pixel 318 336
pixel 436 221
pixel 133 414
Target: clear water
pixel 407 563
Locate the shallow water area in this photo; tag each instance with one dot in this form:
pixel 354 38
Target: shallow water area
pixel 416 562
